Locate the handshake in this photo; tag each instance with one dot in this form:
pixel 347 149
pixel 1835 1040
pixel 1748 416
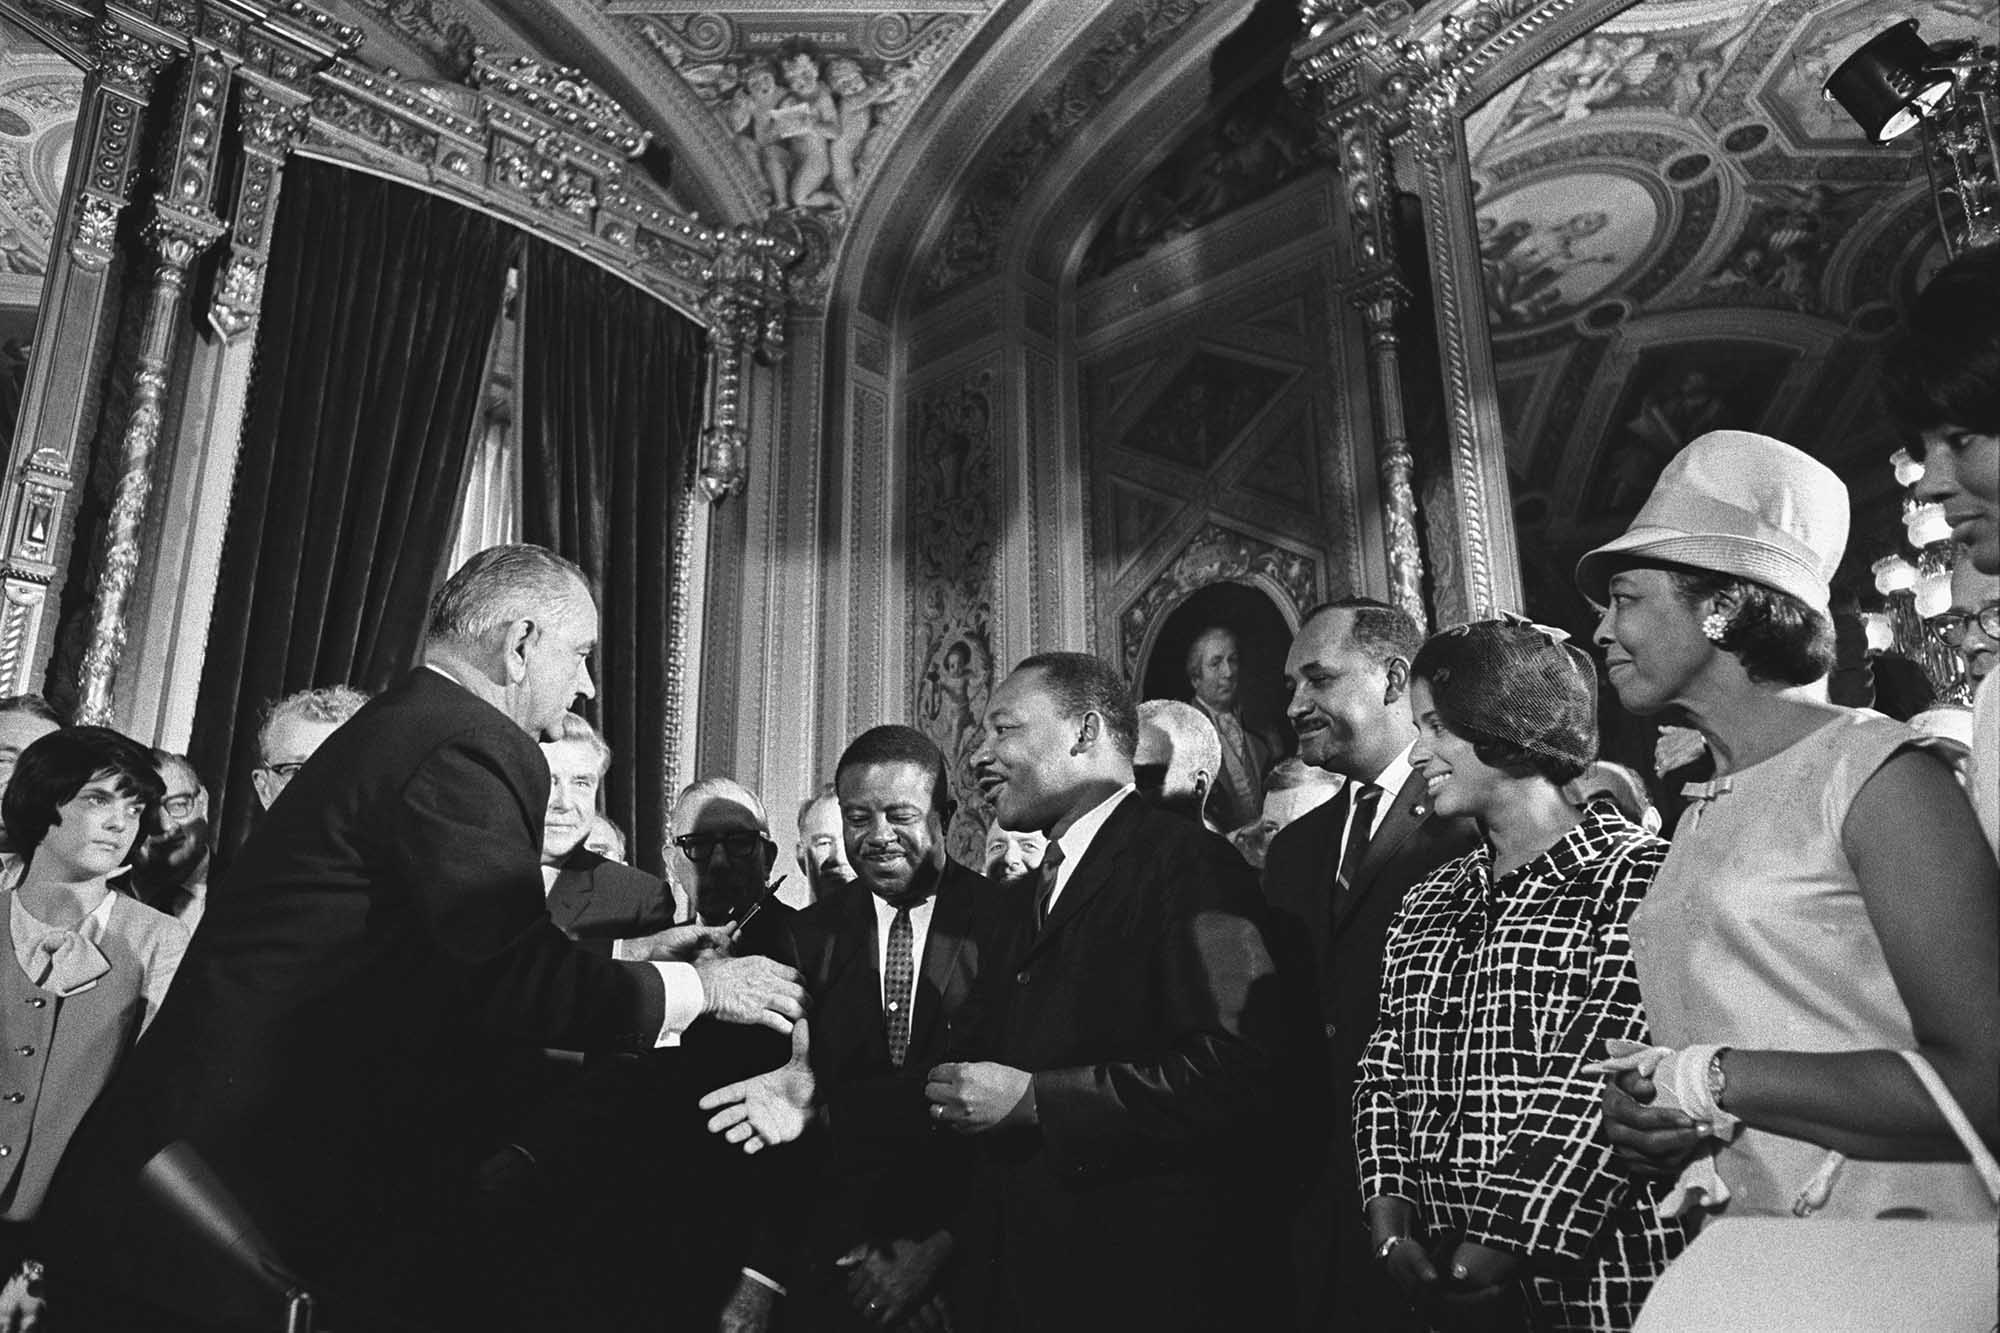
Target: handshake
pixel 774 1107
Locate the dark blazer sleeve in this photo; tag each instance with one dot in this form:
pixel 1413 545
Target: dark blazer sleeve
pixel 622 902
pixel 470 821
pixel 1214 1072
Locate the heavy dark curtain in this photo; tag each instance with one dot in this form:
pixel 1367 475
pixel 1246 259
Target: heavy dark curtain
pixel 610 409
pixel 379 304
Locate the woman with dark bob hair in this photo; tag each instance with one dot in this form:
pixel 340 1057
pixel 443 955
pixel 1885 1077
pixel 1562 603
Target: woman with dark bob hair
pixel 1490 1198
pixel 1828 900
pixel 90 965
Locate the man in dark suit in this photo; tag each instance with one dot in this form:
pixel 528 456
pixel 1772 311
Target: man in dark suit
pixel 1334 878
pixel 590 897
pixel 890 970
pixel 1123 1085
pixel 383 923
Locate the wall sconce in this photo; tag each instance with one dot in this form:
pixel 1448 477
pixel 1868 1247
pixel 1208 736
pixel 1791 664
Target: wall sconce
pixel 1893 574
pixel 1879 631
pixel 1933 592
pixel 1908 470
pixel 1895 83
pixel 1926 525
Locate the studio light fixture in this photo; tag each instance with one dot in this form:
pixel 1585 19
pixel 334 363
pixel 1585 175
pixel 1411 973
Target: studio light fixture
pixel 1894 83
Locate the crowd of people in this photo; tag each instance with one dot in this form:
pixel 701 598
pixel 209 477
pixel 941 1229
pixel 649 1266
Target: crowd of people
pixel 1427 1027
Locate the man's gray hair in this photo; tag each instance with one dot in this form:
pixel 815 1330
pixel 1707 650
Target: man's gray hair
pixel 576 727
pixel 332 704
pixel 700 792
pixel 498 586
pixel 1194 647
pixel 825 793
pixel 1196 744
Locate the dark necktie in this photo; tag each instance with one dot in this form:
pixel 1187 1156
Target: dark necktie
pixel 1045 888
pixel 896 979
pixel 1359 829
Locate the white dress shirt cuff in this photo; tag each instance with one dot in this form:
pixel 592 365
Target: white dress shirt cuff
pixel 761 1280
pixel 685 1001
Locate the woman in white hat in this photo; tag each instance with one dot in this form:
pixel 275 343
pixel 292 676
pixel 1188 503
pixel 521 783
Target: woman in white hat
pixel 1828 900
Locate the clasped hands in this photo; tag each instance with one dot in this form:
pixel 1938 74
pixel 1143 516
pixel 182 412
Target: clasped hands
pixel 1453 1281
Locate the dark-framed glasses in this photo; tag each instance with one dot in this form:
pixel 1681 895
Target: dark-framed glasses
pixel 178 807
pixel 1951 626
pixel 737 842
pixel 287 770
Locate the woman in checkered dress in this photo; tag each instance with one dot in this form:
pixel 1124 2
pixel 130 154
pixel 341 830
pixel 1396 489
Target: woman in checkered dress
pixel 1491 1198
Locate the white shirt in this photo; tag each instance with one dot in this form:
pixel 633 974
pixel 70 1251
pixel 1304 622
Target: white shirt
pixel 920 930
pixel 1390 780
pixel 1076 841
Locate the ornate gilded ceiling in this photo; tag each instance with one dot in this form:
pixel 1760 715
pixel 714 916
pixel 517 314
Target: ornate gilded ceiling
pixel 39 95
pixel 1676 233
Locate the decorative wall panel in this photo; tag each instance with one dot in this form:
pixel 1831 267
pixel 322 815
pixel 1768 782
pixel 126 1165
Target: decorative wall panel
pixel 954 533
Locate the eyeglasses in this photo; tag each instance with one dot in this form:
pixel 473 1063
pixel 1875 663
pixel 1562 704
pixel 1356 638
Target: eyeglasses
pixel 700 846
pixel 287 770
pixel 179 807
pixel 1951 625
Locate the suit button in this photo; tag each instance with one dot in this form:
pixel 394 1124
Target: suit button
pixel 5 1150
pixel 1330 1029
pixel 24 1050
pixel 37 1003
pixel 15 1098
pixel 1020 978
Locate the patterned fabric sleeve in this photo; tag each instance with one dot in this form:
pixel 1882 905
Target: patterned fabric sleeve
pixel 1554 1182
pixel 1381 1129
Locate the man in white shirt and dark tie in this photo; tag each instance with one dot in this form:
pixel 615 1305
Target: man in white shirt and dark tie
pixel 1334 878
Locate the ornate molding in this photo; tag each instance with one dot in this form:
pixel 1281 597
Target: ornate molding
pixel 1380 304
pixel 272 120
pixel 744 304
pixel 1213 555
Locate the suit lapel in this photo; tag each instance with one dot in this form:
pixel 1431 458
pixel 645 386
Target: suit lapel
pixel 569 896
pixel 1094 871
pixel 1406 813
pixel 949 921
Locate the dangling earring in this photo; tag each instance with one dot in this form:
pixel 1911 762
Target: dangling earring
pixel 1714 625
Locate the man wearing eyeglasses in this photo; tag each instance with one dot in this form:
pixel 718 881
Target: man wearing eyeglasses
pixel 294 728
pixel 170 868
pixel 1972 626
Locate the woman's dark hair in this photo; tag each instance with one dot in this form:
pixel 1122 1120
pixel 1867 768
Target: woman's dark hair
pixel 55 768
pixel 1777 637
pixel 1549 696
pixel 1946 366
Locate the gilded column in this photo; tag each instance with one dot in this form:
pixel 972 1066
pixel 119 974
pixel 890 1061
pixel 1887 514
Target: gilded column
pixel 182 226
pixel 76 304
pixel 1381 303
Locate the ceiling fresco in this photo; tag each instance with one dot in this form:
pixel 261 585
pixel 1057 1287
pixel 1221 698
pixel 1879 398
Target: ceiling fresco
pixel 1677 233
pixel 39 95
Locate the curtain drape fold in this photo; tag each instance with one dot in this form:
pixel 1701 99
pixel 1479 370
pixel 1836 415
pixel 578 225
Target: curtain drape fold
pixel 379 305
pixel 610 409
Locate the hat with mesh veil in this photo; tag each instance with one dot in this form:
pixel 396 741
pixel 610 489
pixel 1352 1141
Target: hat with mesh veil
pixel 1733 502
pixel 1514 681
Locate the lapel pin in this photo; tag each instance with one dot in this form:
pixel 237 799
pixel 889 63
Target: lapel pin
pixel 1416 810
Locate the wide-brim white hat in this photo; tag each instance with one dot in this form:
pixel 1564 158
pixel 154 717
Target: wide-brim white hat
pixel 1734 502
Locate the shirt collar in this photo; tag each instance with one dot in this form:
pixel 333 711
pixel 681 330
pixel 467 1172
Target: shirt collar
pixel 1076 840
pixel 1392 777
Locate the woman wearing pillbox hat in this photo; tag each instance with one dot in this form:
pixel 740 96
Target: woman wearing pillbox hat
pixel 1505 972
pixel 1828 900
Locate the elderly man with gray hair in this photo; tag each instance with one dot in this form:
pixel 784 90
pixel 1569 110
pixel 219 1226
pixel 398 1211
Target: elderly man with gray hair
pixel 294 727
pixel 1178 759
pixel 385 926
